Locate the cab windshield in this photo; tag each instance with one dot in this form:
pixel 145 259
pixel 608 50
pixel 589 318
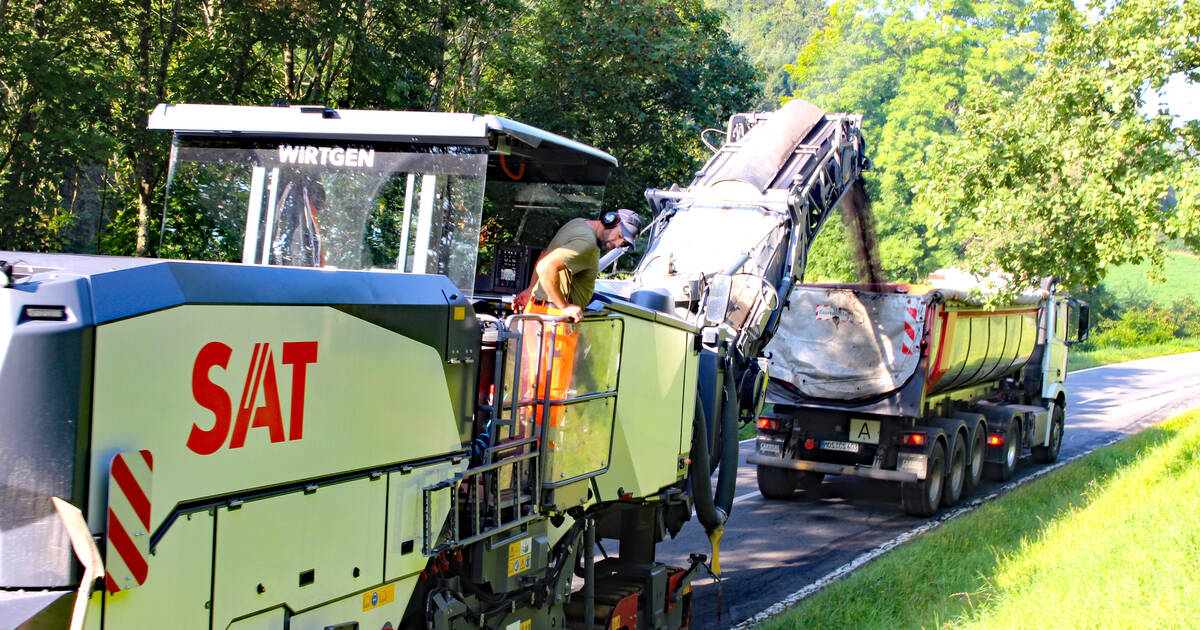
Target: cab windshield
pixel 407 208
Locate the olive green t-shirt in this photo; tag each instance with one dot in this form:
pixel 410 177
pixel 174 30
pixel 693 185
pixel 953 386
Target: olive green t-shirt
pixel 576 245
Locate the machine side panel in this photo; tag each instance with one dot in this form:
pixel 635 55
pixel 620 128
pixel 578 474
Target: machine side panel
pixel 651 385
pixel 300 549
pixel 230 399
pixel 177 593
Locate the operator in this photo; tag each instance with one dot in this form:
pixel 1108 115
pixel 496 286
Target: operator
pixel 565 274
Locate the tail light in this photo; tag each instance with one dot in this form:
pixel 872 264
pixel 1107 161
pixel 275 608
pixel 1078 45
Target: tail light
pixel 914 439
pixel 995 439
pixel 768 424
pixel 810 444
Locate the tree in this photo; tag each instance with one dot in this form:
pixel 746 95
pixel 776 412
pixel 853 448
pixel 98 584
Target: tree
pixel 1073 178
pixel 907 72
pixel 772 32
pixel 54 123
pixel 639 79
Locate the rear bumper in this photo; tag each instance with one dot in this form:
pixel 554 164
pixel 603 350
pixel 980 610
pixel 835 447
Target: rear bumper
pixel 833 469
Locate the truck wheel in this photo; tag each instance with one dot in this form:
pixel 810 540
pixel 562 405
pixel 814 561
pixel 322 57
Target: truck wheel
pixel 956 472
pixel 922 498
pixel 776 483
pixel 975 456
pixel 1049 453
pixel 1003 471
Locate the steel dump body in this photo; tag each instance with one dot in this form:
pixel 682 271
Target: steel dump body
pixel 842 344
pixel 925 385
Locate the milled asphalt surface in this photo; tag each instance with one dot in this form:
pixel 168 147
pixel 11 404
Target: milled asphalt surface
pixel 774 548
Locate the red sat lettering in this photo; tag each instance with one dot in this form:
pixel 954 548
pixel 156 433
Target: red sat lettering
pixel 260 377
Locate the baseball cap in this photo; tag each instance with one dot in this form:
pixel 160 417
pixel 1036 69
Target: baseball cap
pixel 630 224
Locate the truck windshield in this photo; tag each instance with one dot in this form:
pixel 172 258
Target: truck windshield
pixel 314 203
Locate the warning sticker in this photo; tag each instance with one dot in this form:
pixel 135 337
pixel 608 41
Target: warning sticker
pixel 379 597
pixel 520 556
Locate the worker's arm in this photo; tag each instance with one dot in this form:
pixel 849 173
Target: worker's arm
pixel 547 273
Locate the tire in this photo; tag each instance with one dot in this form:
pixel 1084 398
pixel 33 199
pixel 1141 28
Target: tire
pixel 975 454
pixel 776 483
pixel 1049 453
pixel 810 483
pixel 956 471
pixel 922 498
pixel 1003 471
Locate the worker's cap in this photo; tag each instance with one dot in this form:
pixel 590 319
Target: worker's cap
pixel 630 224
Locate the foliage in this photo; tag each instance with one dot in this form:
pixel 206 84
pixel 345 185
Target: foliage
pixel 639 79
pixel 772 33
pixel 906 70
pixel 79 170
pixel 1180 278
pixel 1135 327
pixel 1071 178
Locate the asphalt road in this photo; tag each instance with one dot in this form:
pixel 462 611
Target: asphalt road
pixel 772 549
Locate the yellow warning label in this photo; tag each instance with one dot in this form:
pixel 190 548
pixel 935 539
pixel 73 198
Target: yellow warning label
pixel 520 557
pixel 616 622
pixel 460 312
pixel 379 597
pixel 527 624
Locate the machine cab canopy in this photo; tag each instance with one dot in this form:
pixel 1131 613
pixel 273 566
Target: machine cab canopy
pixel 353 189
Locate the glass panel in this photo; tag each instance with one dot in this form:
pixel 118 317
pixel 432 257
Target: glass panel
pixel 595 358
pixel 578 440
pixel 584 361
pixel 529 214
pixel 349 206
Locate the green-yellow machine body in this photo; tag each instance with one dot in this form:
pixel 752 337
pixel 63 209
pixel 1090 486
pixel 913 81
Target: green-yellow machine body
pixel 259 444
pixel 316 409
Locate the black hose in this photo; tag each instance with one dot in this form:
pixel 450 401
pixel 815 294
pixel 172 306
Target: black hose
pixel 710 516
pixel 727 479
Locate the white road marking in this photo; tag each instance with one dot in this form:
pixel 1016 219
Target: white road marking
pixel 746 497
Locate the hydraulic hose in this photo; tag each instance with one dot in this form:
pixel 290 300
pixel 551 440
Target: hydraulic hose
pixel 698 473
pixel 712 511
pixel 727 479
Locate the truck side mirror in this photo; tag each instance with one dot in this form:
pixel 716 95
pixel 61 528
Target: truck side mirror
pixel 1082 313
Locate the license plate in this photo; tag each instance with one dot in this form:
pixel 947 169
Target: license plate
pixel 834 445
pixel 773 449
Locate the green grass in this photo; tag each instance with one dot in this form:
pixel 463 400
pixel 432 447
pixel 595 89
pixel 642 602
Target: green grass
pixel 1182 280
pixel 1104 356
pixel 1111 540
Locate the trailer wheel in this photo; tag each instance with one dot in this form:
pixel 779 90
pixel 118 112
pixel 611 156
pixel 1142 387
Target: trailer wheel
pixel 776 483
pixel 975 456
pixel 922 498
pixel 1049 453
pixel 1003 470
pixel 956 472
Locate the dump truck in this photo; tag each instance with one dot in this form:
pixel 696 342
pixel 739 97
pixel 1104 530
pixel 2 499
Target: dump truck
pixel 317 409
pixel 928 385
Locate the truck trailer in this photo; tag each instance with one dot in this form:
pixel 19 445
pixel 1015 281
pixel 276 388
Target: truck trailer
pixel 928 385
pixel 316 409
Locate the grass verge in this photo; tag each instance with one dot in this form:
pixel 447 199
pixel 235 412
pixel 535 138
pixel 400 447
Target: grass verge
pixel 1105 356
pixel 1111 540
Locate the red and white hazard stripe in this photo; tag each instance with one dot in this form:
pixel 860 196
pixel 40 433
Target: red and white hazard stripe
pixel 908 344
pixel 127 557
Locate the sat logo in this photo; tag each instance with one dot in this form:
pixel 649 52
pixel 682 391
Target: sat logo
pixel 260 379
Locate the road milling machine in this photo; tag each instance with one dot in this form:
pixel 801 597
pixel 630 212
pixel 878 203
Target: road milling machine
pixel 316 409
